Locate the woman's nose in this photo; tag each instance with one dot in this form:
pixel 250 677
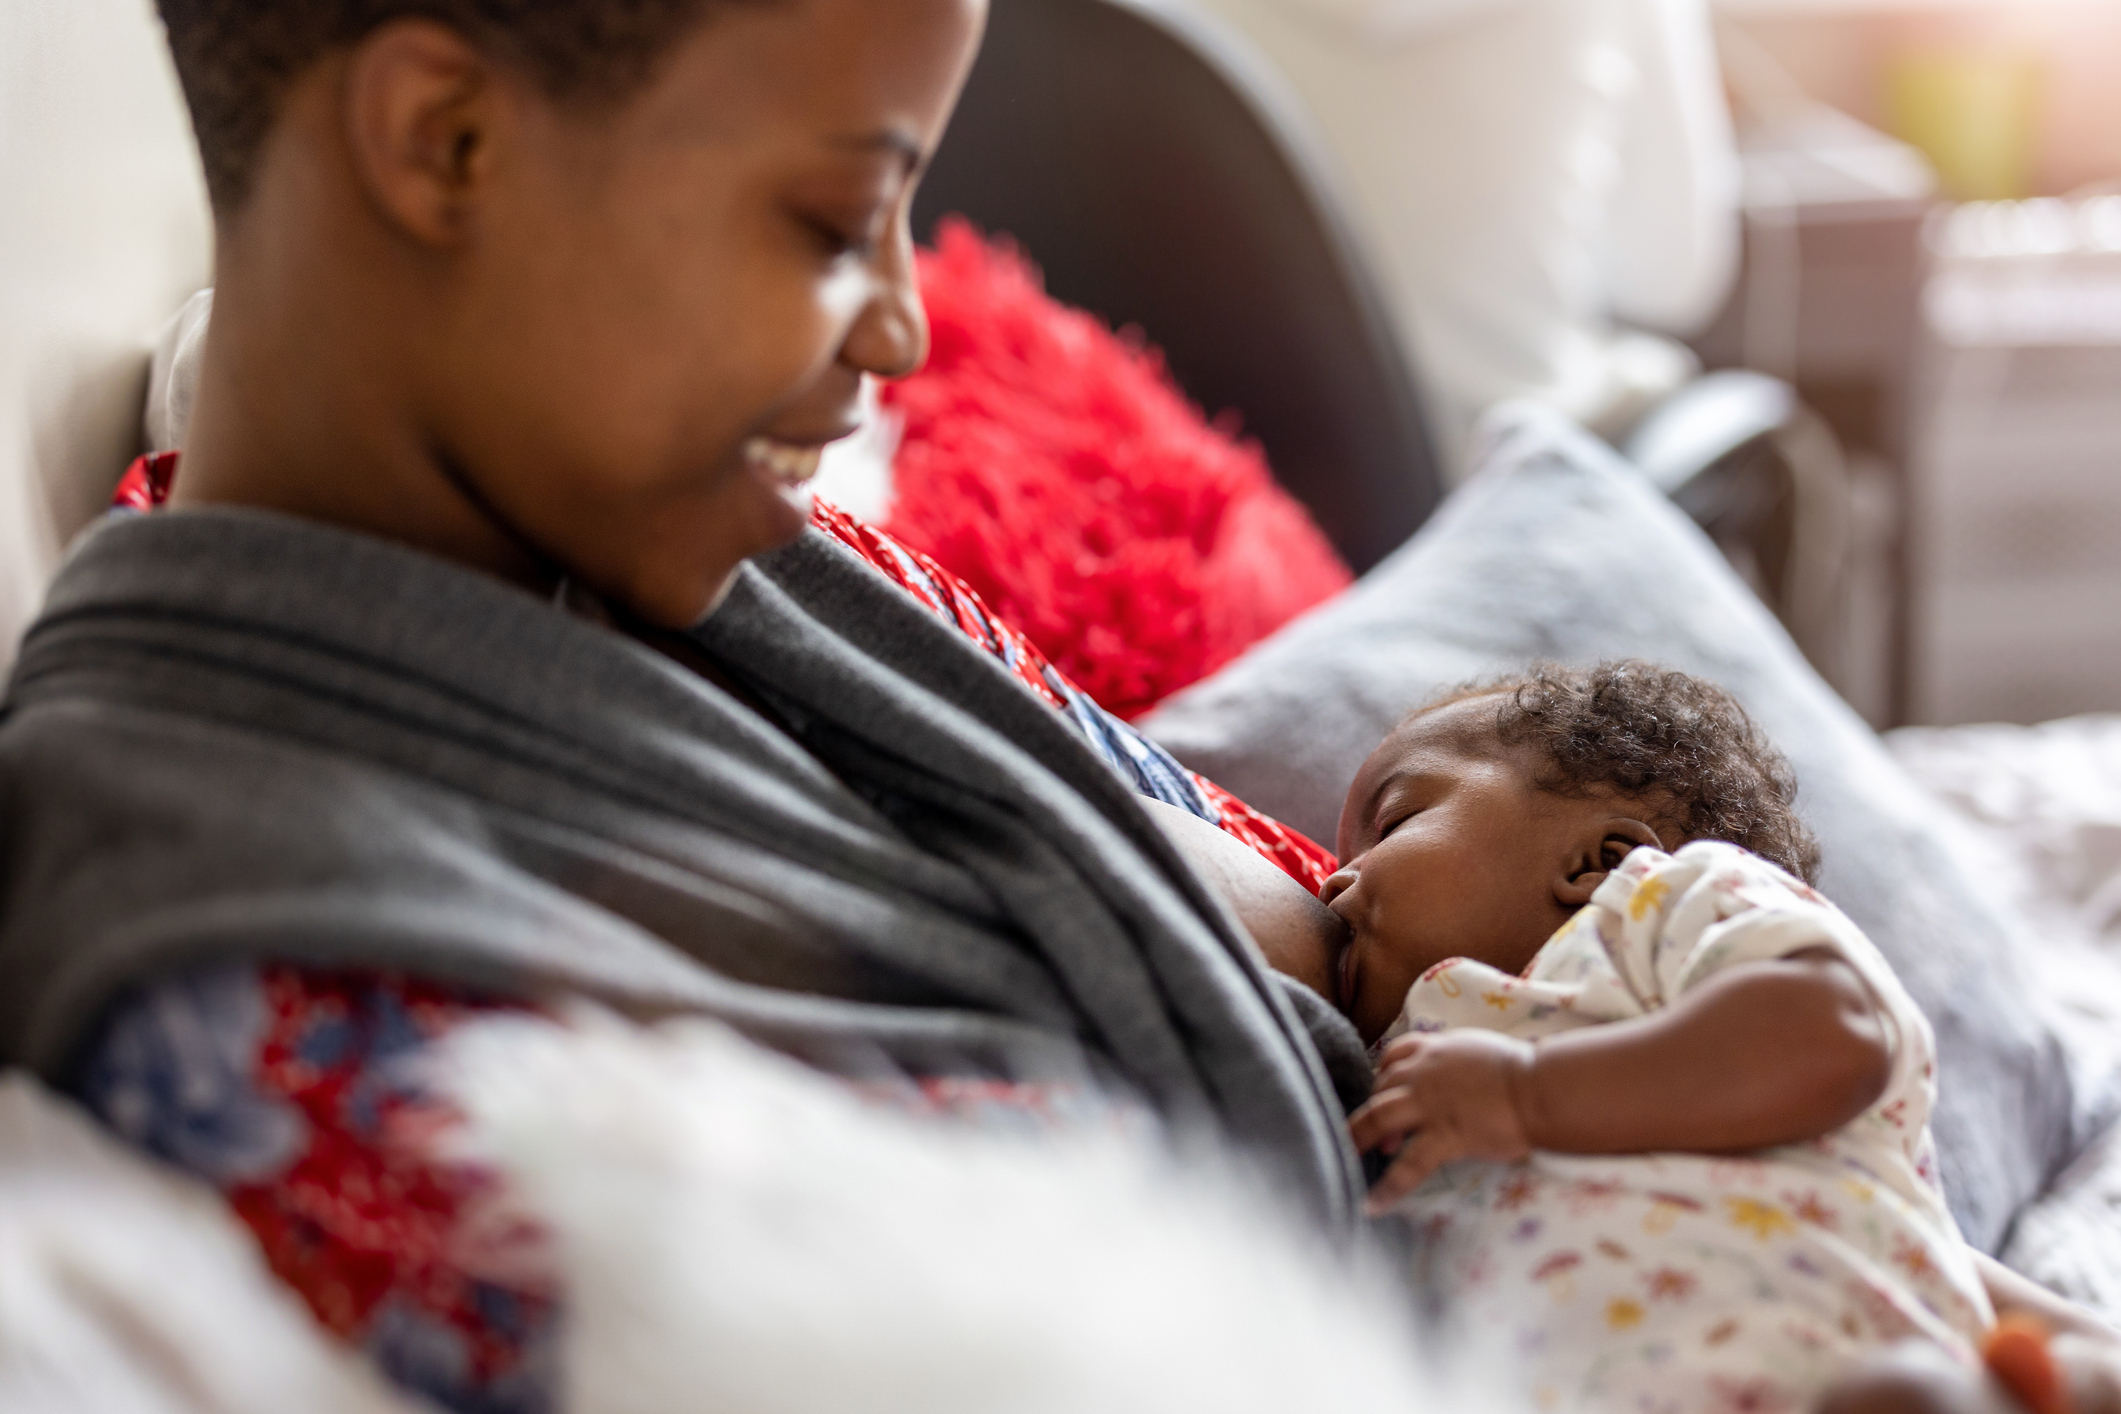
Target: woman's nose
pixel 1336 884
pixel 890 339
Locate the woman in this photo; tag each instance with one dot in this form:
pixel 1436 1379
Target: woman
pixel 481 656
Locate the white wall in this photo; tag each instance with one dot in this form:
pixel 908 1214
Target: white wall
pixel 103 232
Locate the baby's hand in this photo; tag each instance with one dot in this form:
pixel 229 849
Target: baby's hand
pixel 1456 1095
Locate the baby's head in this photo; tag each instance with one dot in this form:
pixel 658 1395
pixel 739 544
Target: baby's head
pixel 1489 816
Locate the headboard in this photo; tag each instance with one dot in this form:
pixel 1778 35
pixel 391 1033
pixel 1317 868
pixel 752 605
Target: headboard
pixel 1146 158
pixel 104 231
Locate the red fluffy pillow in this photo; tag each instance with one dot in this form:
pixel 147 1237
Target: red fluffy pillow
pixel 1053 466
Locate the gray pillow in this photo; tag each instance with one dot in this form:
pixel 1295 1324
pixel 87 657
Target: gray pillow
pixel 1558 550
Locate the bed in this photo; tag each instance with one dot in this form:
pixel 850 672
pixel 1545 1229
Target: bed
pixel 1992 855
pixel 2039 809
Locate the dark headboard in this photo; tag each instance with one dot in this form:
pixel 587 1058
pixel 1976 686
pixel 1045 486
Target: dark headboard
pixel 1145 165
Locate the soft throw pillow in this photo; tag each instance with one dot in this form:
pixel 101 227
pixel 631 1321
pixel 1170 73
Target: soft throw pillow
pixel 1051 464
pixel 1557 550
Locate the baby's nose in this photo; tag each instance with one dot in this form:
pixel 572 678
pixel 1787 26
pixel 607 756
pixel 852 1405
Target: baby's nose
pixel 1338 883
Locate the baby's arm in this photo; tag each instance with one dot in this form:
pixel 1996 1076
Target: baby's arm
pixel 1763 1053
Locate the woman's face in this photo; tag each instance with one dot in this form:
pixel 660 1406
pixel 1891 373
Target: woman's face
pixel 675 300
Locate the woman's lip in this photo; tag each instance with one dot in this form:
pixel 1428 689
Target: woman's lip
pixel 815 439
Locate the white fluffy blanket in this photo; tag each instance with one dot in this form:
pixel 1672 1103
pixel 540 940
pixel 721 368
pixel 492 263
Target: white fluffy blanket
pixel 125 1289
pixel 737 1234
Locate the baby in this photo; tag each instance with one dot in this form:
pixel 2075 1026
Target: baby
pixel 1582 930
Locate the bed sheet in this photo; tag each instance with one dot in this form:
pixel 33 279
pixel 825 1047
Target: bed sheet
pixel 2041 808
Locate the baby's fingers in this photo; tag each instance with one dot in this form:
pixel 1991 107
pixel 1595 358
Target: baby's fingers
pixel 1403 1048
pixel 1386 1117
pixel 1425 1152
pixel 1405 1076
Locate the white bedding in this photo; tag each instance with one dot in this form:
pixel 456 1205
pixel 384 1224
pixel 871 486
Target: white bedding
pixel 735 1233
pixel 2046 800
pixel 2042 808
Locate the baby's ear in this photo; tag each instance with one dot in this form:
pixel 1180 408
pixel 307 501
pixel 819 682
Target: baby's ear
pixel 1599 848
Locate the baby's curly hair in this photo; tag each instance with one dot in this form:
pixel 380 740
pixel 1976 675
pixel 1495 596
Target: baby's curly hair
pixel 1678 744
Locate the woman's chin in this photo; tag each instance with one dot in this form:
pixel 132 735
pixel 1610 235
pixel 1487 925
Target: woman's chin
pixel 794 505
pixel 693 593
pixel 684 599
pixel 677 566
pixel 781 494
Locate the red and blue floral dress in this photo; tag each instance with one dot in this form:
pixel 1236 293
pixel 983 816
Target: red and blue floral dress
pixel 296 1092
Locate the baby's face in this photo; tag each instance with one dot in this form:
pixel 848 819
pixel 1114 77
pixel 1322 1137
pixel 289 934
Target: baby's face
pixel 1450 850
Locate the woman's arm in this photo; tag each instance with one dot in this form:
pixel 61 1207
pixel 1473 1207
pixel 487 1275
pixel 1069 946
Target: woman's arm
pixel 1765 1053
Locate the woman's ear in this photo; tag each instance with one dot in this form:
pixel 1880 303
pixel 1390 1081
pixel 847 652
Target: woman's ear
pixel 420 110
pixel 1597 850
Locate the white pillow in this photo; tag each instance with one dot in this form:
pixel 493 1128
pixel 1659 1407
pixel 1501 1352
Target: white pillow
pixel 106 232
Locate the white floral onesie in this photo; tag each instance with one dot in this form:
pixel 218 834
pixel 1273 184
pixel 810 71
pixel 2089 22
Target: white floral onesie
pixel 1685 1283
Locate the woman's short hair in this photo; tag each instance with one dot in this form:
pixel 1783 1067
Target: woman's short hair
pixel 236 58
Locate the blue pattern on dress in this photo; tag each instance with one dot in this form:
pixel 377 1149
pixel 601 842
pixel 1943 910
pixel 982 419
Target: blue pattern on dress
pixel 1142 765
pixel 173 1074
